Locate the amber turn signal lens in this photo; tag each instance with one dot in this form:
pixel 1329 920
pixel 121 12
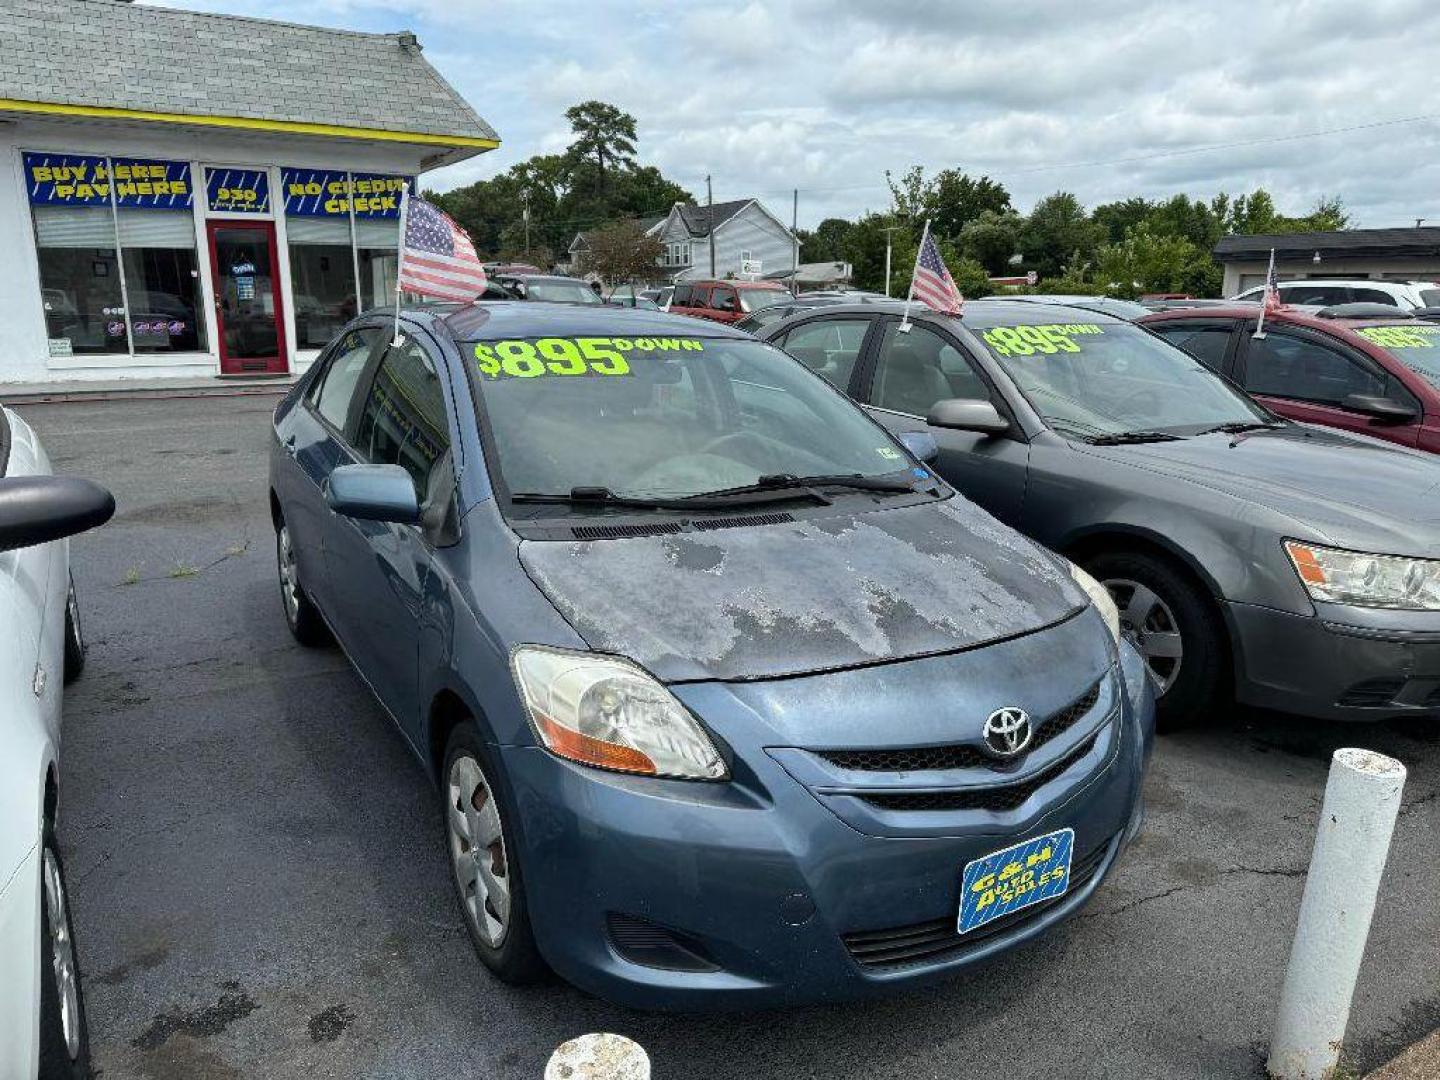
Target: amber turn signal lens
pixel 591 751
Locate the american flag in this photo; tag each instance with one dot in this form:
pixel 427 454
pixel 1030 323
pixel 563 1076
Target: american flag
pixel 439 260
pixel 1272 286
pixel 932 282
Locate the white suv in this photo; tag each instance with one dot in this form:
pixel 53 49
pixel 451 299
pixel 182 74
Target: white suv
pixel 1405 295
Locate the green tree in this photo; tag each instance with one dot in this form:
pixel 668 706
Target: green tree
pixel 622 253
pixel 1119 218
pixel 992 239
pixel 950 200
pixel 827 242
pixel 1143 262
pixel 604 137
pixel 1058 233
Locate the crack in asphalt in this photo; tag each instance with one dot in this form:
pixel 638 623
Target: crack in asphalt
pixel 1259 871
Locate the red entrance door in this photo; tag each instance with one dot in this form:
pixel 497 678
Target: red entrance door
pixel 247 297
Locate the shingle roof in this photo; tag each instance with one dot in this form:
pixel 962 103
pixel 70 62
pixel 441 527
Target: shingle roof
pixel 111 54
pixel 1424 240
pixel 700 223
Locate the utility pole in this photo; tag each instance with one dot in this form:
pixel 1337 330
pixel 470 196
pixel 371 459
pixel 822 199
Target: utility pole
pixel 710 218
pixel 887 232
pixel 795 239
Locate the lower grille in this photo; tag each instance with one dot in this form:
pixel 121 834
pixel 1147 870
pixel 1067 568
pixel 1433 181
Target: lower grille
pixel 938 939
pixel 1372 693
pixel 643 942
pixel 999 799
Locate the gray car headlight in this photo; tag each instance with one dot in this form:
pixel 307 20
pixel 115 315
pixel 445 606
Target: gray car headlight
pixel 1101 598
pixel 607 712
pixel 1335 576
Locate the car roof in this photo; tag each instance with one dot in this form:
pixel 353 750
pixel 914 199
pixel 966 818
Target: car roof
pixel 487 321
pixel 548 278
pixel 1290 314
pixel 992 312
pixel 737 284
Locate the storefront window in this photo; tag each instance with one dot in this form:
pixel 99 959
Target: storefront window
pixel 108 229
pixel 162 279
pixel 378 244
pixel 80 280
pixel 322 278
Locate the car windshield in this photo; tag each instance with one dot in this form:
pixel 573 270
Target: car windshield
pixel 666 417
pixel 755 299
pixel 1430 297
pixel 565 292
pixel 1416 345
pixel 1097 379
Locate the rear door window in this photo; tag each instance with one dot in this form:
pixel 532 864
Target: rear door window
pixel 1373 296
pixel 722 298
pixel 1288 366
pixel 1207 343
pixel 335 389
pixel 681 296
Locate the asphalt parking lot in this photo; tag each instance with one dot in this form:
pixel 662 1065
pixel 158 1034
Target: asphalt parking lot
pixel 260 888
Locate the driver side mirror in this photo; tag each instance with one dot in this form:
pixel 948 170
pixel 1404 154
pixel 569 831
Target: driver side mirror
pixel 38 509
pixel 1382 410
pixel 967 414
pixel 373 493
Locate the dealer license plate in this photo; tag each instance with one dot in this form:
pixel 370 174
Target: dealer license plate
pixel 1014 878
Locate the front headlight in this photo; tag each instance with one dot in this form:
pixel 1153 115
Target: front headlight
pixel 1101 598
pixel 1353 577
pixel 605 711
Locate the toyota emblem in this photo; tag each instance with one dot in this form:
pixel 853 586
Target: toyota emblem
pixel 1007 732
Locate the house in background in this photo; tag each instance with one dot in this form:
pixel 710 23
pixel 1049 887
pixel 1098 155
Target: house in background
pixel 750 241
pixel 1406 254
pixel 574 259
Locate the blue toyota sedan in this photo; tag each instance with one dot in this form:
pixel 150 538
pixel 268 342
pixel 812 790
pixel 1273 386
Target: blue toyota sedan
pixel 730 701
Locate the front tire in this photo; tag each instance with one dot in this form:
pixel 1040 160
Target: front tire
pixel 1174 624
pixel 64 1034
pixel 301 616
pixel 484 861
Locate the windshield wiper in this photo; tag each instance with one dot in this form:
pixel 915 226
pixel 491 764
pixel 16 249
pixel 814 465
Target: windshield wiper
pixel 788 482
pixel 604 497
pixel 1120 438
pixel 1238 427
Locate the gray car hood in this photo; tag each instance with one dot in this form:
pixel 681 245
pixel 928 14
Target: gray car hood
pixel 809 595
pixel 1350 489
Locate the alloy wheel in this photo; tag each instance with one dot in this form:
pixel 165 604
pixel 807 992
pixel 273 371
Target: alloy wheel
pixel 477 850
pixel 1149 623
pixel 289 576
pixel 62 954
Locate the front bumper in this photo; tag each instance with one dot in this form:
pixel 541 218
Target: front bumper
pixel 782 900
pixel 1339 664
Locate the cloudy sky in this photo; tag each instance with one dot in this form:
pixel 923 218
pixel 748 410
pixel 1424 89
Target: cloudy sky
pixel 1105 98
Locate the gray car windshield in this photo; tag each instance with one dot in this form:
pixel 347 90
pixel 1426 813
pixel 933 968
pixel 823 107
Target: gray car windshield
pixel 666 417
pixel 1416 345
pixel 1111 378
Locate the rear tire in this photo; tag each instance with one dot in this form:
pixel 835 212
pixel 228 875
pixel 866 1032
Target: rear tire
pixel 74 637
pixel 484 860
pixel 301 616
pixel 1174 624
pixel 64 1034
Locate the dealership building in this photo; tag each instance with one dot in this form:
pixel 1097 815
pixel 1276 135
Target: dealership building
pixel 188 195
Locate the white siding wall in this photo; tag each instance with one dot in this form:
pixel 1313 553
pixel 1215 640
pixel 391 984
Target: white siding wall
pixel 752 231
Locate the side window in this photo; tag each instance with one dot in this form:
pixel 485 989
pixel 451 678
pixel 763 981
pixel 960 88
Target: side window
pixel 1205 343
pixel 403 421
pixel 1282 365
pixel 916 369
pixel 335 388
pixel 723 298
pixel 1317 295
pixel 681 296
pixel 1373 296
pixel 828 347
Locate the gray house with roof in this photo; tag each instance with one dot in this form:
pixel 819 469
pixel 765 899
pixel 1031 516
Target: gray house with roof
pixel 203 194
pixel 1404 254
pixel 749 241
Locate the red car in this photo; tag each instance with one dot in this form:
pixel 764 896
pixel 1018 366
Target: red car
pixel 1377 375
pixel 725 301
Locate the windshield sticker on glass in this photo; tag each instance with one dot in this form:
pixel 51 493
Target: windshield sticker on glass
pixel 888 452
pixel 1028 340
pixel 1401 337
pixel 571 356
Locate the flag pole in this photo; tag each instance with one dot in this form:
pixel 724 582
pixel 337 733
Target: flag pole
pixel 910 296
pixel 400 262
pixel 1265 298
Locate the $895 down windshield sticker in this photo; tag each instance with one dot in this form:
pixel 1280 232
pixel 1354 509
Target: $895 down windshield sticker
pixel 1401 337
pixel 1028 340
pixel 520 359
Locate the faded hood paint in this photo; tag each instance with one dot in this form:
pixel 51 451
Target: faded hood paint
pixel 811 595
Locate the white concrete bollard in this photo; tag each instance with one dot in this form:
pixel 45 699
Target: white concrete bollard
pixel 1357 818
pixel 599 1057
